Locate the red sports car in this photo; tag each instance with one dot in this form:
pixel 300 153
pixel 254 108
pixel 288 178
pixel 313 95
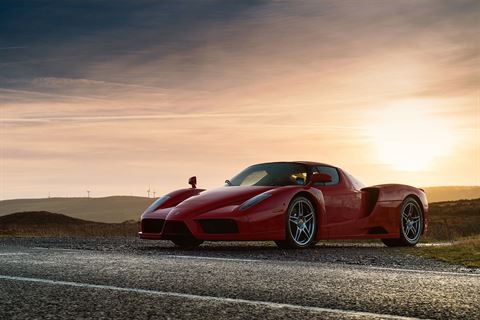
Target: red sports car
pixel 294 204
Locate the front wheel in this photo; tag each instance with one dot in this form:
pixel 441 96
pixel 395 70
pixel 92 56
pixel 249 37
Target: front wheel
pixel 300 224
pixel 411 225
pixel 187 242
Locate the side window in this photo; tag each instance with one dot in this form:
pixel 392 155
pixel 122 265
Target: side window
pixel 330 171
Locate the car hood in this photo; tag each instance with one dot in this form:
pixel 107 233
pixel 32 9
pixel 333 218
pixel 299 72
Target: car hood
pixel 220 197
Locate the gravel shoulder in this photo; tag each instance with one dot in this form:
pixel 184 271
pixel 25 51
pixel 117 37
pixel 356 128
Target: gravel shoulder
pixel 346 253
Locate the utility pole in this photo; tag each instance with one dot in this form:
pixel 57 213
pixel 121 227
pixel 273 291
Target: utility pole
pixel 154 193
pixel 148 192
pixel 88 193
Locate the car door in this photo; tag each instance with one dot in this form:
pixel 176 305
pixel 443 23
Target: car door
pixel 342 202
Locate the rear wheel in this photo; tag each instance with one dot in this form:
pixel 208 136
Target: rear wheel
pixel 300 224
pixel 187 242
pixel 411 225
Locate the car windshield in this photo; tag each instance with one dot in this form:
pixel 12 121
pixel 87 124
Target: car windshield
pixel 271 174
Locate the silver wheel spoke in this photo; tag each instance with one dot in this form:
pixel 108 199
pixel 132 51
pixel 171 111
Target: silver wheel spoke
pixel 294 220
pixel 306 231
pixel 414 229
pixel 410 209
pixel 407 231
pixel 297 234
pixel 308 215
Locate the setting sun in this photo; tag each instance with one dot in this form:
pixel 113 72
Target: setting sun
pixel 409 136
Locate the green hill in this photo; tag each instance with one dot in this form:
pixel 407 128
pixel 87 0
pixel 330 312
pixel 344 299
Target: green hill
pixel 109 209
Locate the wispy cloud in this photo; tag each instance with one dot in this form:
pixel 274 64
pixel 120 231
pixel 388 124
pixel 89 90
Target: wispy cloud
pixel 46 94
pixel 135 117
pixel 12 48
pixel 174 85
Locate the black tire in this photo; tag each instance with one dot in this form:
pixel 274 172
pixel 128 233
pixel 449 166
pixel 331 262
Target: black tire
pixel 300 225
pixel 411 225
pixel 187 242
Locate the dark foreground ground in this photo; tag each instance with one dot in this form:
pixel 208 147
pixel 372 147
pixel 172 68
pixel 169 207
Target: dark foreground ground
pixel 81 278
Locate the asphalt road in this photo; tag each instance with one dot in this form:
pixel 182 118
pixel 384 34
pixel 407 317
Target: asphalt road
pixel 130 279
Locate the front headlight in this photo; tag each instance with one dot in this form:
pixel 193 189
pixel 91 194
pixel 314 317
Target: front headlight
pixel 253 201
pixel 157 203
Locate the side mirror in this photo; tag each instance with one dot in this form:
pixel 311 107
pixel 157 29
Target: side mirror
pixel 320 177
pixel 193 182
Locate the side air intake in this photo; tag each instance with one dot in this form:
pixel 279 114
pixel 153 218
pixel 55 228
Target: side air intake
pixel 369 200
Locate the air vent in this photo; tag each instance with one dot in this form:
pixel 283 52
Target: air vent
pixel 369 199
pixel 176 228
pixel 152 225
pixel 218 226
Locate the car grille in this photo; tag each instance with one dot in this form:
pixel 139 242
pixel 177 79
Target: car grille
pixel 176 228
pixel 152 225
pixel 218 226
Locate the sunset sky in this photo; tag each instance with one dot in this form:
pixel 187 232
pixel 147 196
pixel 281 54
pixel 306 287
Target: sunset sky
pixel 114 96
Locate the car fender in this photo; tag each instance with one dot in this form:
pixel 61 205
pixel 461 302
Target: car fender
pixel 174 198
pixel 270 213
pixel 397 193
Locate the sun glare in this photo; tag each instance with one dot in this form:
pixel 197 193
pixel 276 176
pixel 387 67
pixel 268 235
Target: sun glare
pixel 410 137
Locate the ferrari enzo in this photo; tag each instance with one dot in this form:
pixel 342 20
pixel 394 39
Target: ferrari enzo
pixel 294 204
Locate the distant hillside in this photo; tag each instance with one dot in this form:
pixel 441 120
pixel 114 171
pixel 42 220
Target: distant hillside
pixel 108 209
pixel 121 208
pixel 438 194
pixel 40 218
pixel 43 223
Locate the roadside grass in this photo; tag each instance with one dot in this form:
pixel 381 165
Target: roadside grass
pixel 464 252
pixel 457 222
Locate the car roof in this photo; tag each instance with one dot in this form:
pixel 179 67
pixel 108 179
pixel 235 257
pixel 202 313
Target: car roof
pixel 308 163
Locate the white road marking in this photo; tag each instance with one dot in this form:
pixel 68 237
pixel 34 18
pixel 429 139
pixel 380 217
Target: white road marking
pixel 213 258
pixel 449 273
pixel 435 244
pixel 14 254
pixel 208 298
pixel 59 249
